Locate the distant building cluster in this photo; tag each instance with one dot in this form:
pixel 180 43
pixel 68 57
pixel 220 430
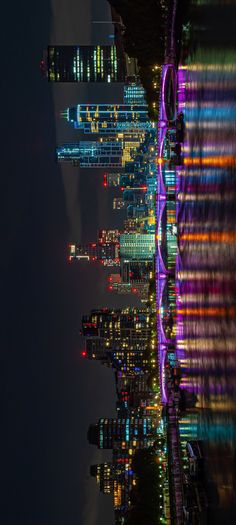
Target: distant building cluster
pixel 119 339
pixel 132 155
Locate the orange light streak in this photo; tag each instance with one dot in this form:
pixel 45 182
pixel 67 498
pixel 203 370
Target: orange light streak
pixel 227 237
pixel 209 311
pixel 211 161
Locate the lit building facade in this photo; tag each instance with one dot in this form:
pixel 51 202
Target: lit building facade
pixel 130 144
pixel 134 93
pixel 118 338
pixel 133 181
pixel 104 474
pixel 103 153
pixel 107 253
pixel 124 288
pixel 131 225
pixel 84 64
pixel 113 433
pixel 138 246
pixel 106 250
pixel 109 119
pixel 115 479
pixel 92 154
pixel 106 236
pixel 137 271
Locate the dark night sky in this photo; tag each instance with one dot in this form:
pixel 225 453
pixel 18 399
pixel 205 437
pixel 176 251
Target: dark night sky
pixel 49 395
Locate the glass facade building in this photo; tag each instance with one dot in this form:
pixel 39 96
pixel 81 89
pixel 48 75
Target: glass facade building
pixel 134 94
pixel 103 153
pixel 109 433
pixel 104 118
pixel 84 64
pixel 92 154
pixel 138 246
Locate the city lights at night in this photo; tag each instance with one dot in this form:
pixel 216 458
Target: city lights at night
pixel 119 266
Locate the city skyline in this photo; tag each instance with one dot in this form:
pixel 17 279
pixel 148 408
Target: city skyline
pixel 118 287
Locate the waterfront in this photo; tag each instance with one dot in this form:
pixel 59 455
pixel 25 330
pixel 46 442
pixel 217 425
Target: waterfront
pixel 207 250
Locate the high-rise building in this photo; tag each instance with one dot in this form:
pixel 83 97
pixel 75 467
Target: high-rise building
pixel 115 478
pixel 138 246
pixel 118 338
pixel 137 271
pixel 135 396
pixel 103 153
pixel 112 325
pixel 130 144
pixel 109 433
pixel 134 93
pixel 104 474
pixel 84 64
pixel 108 118
pixel 133 181
pixel 93 154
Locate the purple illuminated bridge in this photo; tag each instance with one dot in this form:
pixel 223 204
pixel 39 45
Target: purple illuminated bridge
pixel 161 271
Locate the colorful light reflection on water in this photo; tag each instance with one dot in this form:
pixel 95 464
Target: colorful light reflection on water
pixel 206 265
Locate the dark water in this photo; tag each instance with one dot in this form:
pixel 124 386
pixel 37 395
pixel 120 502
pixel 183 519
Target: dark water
pixel 207 243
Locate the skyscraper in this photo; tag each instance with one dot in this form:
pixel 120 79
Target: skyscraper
pixel 118 338
pixel 84 64
pixel 109 433
pixel 134 93
pixel 138 246
pixel 92 154
pixel 137 271
pixel 104 474
pixel 115 478
pixel 108 118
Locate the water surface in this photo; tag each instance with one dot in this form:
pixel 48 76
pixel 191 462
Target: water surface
pixel 207 242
